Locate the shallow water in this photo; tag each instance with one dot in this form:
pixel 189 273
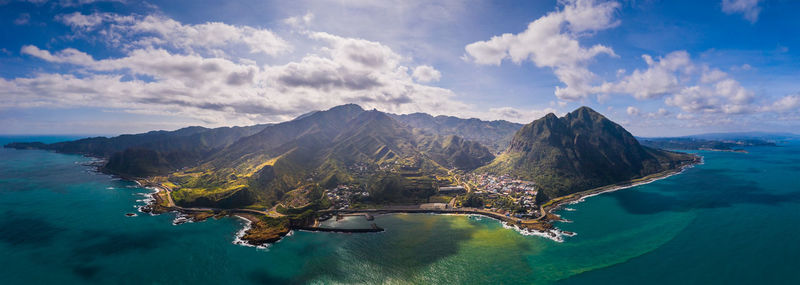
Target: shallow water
pixel 731 220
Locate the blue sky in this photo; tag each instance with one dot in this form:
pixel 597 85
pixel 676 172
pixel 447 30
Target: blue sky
pixel 659 68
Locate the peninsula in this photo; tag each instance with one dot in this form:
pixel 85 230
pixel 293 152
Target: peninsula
pixel 350 161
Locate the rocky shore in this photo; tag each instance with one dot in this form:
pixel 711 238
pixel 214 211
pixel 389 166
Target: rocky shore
pixel 261 230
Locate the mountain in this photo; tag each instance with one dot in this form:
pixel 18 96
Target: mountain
pixel 495 135
pixel 392 158
pixel 151 153
pixel 579 151
pixel 290 161
pixel 455 152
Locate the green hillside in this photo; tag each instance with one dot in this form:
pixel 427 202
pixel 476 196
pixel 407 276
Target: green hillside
pixel 391 158
pixel 344 145
pixel 579 151
pixel 495 135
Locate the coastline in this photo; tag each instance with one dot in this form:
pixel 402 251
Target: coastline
pixel 555 204
pixel 258 233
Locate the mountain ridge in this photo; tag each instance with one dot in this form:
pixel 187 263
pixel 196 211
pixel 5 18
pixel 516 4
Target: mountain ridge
pixel 394 157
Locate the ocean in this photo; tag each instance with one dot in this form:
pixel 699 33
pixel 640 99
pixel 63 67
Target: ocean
pixel 731 220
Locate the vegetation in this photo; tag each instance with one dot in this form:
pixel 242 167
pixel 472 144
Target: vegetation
pixel 473 201
pixel 393 158
pixel 579 151
pixel 495 135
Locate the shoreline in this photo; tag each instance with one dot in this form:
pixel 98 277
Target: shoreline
pixel 557 203
pixel 256 232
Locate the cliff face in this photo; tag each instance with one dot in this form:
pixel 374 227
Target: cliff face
pixel 579 151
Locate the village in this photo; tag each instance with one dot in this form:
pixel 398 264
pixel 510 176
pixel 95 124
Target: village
pixel 505 194
pixel 501 194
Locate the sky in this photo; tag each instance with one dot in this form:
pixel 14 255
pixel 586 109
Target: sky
pixel 659 68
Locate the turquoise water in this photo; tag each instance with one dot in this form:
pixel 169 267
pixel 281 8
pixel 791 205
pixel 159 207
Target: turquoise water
pixel 732 220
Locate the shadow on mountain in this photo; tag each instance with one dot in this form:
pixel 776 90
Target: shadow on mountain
pixel 707 189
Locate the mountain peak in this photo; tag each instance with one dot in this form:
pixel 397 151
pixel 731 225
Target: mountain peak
pixel 550 117
pixel 348 107
pixel 585 109
pixel 375 120
pixel 584 114
pixel 579 151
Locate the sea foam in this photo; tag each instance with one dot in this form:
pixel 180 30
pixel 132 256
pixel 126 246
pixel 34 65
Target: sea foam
pixel 237 240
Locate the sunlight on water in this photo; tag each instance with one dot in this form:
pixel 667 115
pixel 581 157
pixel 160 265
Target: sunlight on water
pixel 60 218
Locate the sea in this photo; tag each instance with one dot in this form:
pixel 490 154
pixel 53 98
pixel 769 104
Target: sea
pixel 735 219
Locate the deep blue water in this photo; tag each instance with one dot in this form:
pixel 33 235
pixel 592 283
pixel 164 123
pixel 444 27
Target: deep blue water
pixel 732 220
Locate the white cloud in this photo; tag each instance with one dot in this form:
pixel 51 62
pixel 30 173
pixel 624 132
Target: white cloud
pixel 426 73
pixel 691 88
pixel 155 31
pixel 726 96
pixel 633 111
pixel 712 75
pixel 154 80
pixel 660 113
pixel 69 55
pixel 299 21
pixel 552 41
pixel 659 79
pixel 517 115
pixel 83 22
pixel 789 103
pixel 748 8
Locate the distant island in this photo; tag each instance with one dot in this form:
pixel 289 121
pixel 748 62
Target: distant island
pixel 351 161
pixel 731 144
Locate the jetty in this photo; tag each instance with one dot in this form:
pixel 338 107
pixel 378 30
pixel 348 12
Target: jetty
pixel 372 229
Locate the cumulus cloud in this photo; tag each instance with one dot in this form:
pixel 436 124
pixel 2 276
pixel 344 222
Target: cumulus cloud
pixel 726 96
pixel 426 73
pixel 153 79
pixel 659 79
pixel 694 88
pixel 748 8
pixel 553 41
pixel 154 31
